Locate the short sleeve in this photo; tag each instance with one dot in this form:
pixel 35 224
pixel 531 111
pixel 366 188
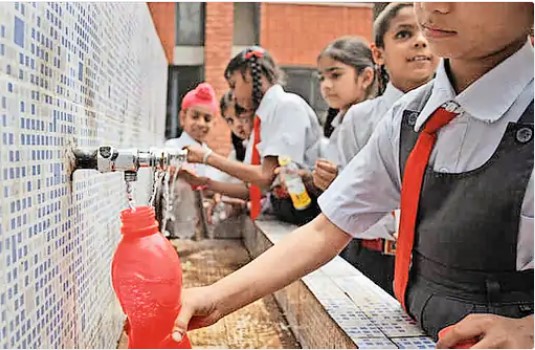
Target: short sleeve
pixel 355 131
pixel 347 142
pixel 284 131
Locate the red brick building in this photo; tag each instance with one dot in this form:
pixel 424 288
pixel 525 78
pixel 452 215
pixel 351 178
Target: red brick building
pixel 200 38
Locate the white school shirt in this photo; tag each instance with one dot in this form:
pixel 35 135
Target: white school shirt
pixel 330 148
pixel 288 127
pixel 186 140
pixel 369 187
pixel 360 121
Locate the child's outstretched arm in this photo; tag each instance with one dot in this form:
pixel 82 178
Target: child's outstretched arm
pixel 301 252
pixel 259 175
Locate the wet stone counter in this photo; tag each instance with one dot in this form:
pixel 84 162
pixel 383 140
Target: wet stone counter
pixel 337 306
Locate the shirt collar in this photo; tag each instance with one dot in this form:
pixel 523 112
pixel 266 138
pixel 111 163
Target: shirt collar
pixel 190 140
pixel 268 100
pixel 489 97
pixel 391 93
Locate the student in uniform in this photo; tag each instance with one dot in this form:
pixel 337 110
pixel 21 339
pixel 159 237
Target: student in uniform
pixel 240 123
pixel 284 125
pixel 347 77
pixel 404 62
pixel 198 110
pixel 466 231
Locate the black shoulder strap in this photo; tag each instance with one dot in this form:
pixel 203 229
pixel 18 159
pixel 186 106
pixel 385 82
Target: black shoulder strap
pixel 527 116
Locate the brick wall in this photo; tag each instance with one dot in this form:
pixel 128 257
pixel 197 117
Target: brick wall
pixel 295 34
pixel 217 53
pixel 163 16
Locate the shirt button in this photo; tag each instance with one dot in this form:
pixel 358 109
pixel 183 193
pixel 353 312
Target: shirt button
pixel 444 170
pixel 524 134
pixel 451 106
pixel 412 118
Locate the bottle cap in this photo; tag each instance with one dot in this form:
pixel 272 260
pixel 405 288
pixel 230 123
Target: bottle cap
pixel 284 160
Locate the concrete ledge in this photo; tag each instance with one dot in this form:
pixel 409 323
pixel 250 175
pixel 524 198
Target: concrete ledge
pixel 336 306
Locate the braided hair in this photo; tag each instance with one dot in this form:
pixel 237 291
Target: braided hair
pixel 256 76
pixel 380 27
pixel 260 63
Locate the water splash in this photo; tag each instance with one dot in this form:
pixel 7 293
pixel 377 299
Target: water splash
pixel 130 195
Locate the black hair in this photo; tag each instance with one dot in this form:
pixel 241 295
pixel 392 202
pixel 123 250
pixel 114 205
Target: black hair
pixel 226 100
pixel 380 27
pixel 355 52
pixel 239 148
pixel 260 62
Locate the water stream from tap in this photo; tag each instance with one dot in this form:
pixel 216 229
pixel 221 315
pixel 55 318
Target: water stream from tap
pixel 168 204
pixel 157 181
pixel 130 195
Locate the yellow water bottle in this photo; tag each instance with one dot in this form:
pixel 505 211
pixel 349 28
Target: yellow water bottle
pixel 296 188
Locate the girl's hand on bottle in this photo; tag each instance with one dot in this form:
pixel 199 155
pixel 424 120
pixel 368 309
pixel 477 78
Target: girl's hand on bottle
pixel 324 173
pixel 278 187
pixel 199 309
pixel 195 153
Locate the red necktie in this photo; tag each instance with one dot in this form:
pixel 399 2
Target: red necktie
pixel 255 194
pixel 410 195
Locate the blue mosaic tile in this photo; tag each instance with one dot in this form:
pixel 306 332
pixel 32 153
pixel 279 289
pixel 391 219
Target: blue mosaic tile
pixel 58 88
pixel 414 343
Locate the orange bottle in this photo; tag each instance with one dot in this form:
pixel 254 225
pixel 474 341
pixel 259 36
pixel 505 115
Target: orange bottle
pixel 147 279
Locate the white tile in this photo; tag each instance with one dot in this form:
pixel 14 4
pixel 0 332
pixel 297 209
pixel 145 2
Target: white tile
pixel 58 290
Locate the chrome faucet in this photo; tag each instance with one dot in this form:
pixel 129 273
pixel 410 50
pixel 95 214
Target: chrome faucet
pixel 107 159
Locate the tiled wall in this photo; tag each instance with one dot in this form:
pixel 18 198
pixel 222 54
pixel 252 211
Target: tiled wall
pixel 71 74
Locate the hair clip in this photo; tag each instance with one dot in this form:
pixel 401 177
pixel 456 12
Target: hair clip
pixel 258 53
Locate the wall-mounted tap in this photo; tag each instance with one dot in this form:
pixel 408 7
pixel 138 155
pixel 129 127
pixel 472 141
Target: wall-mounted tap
pixel 107 159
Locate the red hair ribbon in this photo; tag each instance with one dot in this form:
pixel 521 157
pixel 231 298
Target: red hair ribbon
pixel 254 53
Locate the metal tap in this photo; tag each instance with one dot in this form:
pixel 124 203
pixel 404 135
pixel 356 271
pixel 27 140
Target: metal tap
pixel 107 159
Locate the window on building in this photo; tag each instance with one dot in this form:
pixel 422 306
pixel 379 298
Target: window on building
pixel 246 23
pixel 189 26
pixel 305 83
pixel 180 80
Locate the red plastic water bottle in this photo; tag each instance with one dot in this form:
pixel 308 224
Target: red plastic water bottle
pixel 147 279
pixel 467 344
